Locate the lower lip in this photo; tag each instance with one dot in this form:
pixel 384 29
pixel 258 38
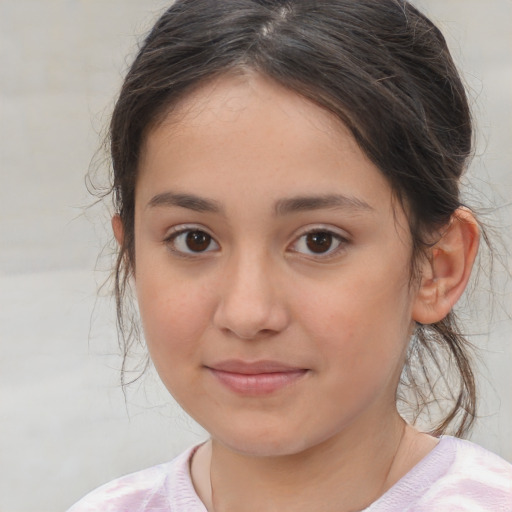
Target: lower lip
pixel 259 383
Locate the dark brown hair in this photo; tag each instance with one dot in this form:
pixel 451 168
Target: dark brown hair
pixel 384 70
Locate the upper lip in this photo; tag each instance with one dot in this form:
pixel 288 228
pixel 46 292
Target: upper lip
pixel 253 368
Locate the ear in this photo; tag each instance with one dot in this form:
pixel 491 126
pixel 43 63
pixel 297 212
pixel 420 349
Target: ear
pixel 446 270
pixel 117 227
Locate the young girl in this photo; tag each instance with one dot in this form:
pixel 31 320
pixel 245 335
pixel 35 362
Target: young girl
pixel 286 179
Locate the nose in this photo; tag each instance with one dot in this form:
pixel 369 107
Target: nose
pixel 251 305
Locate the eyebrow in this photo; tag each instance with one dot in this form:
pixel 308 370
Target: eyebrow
pixel 282 207
pixel 334 201
pixel 189 201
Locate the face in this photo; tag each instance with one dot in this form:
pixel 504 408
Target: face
pixel 271 268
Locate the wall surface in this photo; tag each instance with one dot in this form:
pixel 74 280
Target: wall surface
pixel 65 426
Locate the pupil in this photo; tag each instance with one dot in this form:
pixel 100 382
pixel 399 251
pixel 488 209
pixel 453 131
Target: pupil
pixel 198 241
pixel 319 242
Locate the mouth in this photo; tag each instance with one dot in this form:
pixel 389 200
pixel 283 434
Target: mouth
pixel 255 378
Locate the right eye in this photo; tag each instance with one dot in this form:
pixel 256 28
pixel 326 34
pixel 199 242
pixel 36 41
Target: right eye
pixel 191 241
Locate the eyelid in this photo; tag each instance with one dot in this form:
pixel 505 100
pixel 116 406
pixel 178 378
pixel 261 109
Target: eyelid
pixel 175 231
pixel 342 236
pixel 180 228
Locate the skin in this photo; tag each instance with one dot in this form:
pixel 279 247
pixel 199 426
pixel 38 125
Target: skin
pixel 230 162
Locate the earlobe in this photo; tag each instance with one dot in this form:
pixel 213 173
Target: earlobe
pixel 117 227
pixel 447 268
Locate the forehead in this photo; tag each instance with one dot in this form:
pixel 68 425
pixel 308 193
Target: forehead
pixel 224 99
pixel 247 129
pixel 227 95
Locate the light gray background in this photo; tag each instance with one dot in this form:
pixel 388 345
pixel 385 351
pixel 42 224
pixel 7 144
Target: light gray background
pixel 64 426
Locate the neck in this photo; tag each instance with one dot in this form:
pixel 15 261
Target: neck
pixel 344 474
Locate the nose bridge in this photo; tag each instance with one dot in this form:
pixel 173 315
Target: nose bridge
pixel 250 301
pixel 251 276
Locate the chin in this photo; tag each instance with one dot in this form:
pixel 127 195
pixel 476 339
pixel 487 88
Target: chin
pixel 262 448
pixel 264 442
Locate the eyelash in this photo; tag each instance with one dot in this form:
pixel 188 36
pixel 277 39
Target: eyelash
pixel 173 238
pixel 333 237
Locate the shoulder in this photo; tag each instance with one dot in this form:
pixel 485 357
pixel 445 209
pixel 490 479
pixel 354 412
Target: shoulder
pixel 470 456
pixel 457 476
pixel 160 488
pixel 476 479
pixel 131 492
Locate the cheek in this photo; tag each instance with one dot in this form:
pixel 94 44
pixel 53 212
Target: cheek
pixel 174 316
pixel 173 330
pixel 361 323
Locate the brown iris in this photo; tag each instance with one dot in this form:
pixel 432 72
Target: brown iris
pixel 319 241
pixel 198 241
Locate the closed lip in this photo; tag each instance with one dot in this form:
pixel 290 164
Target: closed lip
pixel 254 367
pixel 255 378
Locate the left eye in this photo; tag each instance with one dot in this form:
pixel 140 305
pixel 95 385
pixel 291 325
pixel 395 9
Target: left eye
pixel 192 241
pixel 321 243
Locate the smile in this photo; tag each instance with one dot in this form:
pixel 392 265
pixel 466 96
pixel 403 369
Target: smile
pixel 259 378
